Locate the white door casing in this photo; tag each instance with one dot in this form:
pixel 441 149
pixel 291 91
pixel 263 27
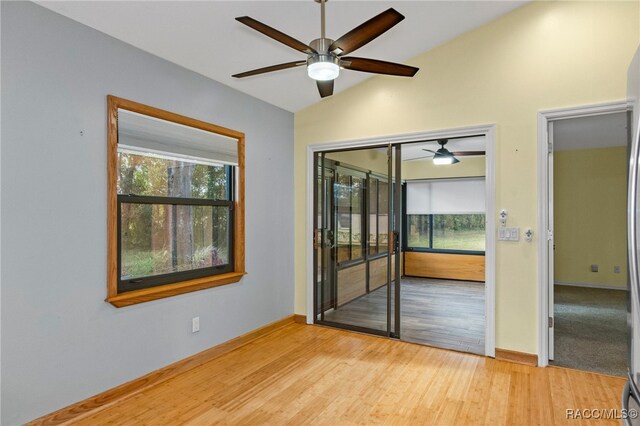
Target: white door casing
pixel 491 224
pixel 545 206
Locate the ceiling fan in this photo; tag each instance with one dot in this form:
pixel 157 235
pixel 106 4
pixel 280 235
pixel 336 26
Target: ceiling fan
pixel 444 156
pixel 325 56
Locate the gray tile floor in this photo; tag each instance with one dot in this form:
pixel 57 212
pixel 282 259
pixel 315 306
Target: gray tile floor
pixel 442 313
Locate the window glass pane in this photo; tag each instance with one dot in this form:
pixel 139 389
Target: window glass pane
pixel 357 204
pixel 373 216
pixel 459 231
pixel 342 192
pixel 383 216
pixel 160 239
pixel 150 176
pixel 418 232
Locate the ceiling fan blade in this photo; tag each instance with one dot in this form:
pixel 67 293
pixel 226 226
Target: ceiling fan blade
pixel 270 69
pixel 424 149
pixel 276 35
pixel 325 88
pixel 419 158
pixel 468 153
pixel 366 32
pixel 377 67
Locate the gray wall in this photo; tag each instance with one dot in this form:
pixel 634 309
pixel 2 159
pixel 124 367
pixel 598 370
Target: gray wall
pixel 60 341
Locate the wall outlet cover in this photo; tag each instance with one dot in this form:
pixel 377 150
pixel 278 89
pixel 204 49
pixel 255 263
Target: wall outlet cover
pixel 195 324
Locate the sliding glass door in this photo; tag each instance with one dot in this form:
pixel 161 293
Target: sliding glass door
pixel 356 240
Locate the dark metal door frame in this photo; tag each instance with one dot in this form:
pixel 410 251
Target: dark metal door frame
pixel 321 241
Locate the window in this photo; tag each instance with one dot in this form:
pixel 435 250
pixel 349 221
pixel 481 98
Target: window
pixel 349 202
pixel 176 208
pixel 446 215
pixel 378 216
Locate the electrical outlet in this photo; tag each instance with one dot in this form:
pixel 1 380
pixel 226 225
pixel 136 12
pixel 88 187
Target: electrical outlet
pixel 195 324
pixel 616 269
pixel 594 268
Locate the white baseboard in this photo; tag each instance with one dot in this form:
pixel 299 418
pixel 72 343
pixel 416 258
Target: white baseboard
pixel 604 286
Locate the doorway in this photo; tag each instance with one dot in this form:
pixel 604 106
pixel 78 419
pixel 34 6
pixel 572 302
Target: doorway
pixel 585 277
pixel 356 239
pixel 359 249
pixel 444 242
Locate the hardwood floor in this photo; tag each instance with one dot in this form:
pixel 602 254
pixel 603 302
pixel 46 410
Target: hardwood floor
pixel 303 374
pixel 442 313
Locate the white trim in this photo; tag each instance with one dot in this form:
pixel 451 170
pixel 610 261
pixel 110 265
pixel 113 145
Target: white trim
pixel 544 117
pixel 489 131
pixel 589 285
pixel 0 260
pixel 490 249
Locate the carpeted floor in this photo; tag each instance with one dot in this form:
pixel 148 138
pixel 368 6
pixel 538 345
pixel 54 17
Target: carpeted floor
pixel 591 329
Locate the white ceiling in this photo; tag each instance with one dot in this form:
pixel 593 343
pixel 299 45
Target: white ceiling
pixel 599 131
pixel 204 36
pixel 415 151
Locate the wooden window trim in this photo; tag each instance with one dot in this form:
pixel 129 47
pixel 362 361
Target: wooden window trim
pixel 153 293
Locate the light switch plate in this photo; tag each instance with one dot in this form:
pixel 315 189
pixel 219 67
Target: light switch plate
pixel 509 234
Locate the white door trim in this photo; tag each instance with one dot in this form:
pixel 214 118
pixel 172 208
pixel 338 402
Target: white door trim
pixel 544 117
pixel 489 131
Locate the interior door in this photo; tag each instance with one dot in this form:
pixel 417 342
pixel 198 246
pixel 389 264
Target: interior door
pixel 550 241
pixel 324 238
pixel 395 206
pixel 355 244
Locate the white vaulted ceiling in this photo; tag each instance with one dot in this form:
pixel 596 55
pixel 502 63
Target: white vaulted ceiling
pixel 204 36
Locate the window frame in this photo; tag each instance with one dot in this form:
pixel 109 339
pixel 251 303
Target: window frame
pixel 381 249
pixel 350 260
pixel 430 249
pixel 149 281
pixel 191 282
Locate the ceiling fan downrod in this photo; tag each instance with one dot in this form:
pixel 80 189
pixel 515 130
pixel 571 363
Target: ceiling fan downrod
pixel 322 19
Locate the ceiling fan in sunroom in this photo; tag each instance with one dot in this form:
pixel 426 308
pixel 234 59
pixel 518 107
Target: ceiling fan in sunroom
pixel 325 57
pixel 444 156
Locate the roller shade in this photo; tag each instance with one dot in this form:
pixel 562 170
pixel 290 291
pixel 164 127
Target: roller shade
pixel 446 196
pixel 145 135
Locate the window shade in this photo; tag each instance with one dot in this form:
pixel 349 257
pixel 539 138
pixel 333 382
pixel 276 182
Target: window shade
pixel 145 135
pixel 447 196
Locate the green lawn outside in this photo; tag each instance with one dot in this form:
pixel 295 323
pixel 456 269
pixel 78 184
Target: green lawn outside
pixel 458 240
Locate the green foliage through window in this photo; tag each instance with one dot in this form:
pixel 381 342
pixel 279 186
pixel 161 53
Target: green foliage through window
pixel 460 232
pixel 158 236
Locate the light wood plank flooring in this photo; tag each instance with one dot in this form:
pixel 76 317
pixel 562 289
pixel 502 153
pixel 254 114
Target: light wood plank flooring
pixel 303 374
pixel 442 313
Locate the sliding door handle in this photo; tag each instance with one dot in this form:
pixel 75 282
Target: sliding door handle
pixel 629 392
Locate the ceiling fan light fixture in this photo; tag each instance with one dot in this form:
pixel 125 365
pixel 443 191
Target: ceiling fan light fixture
pixel 323 68
pixel 444 156
pixel 439 161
